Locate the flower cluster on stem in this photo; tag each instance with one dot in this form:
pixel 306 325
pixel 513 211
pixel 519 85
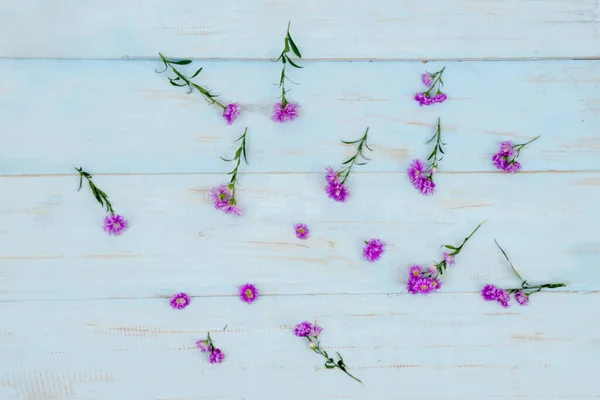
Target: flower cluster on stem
pixel 224 196
pixel 521 294
pixel 426 281
pixel 435 84
pixel 230 111
pixel 420 174
pixel 311 333
pixel 284 110
pixel 506 158
pixel 336 187
pixel 114 224
pixel 206 346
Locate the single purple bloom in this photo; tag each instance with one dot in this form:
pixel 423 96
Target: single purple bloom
pixel 373 250
pixel 489 293
pixel 332 176
pixel 216 356
pixel 432 270
pixel 522 298
pixel 315 331
pixel 337 191
pixel 435 284
pixel 303 329
pixel 180 301
pixel 248 293
pixel 420 285
pixel 204 346
pixel 439 98
pixel 426 79
pixel 416 170
pixel 500 161
pixel 512 167
pixel 302 231
pixel 506 148
pixel 231 209
pixel 287 113
pixel 448 258
pixel 503 297
pixel 115 224
pixel 425 185
pixel 415 271
pixel 231 113
pixel 221 196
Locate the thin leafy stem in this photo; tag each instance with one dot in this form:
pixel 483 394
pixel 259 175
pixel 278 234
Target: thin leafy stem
pixel 436 79
pixel 331 363
pixel 362 144
pixel 290 45
pixel 517 148
pixel 433 157
pixel 97 192
pixel 510 263
pixel 239 154
pixel 456 250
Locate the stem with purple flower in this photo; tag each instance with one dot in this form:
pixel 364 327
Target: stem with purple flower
pixel 436 82
pixel 285 59
pixel 518 147
pixel 315 345
pixel 241 151
pixel 97 192
pixel 362 143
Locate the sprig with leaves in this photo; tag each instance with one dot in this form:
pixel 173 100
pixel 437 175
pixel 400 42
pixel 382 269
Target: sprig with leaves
pixel 349 163
pixel 285 60
pixel 421 175
pixel 437 154
pixel 237 158
pixel 96 191
pixel 435 83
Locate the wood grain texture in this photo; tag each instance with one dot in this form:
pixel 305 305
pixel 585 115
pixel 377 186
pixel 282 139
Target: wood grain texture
pixel 416 30
pixel 122 117
pixel 397 345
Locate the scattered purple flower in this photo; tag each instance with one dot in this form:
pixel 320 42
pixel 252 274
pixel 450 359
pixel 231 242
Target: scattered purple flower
pixel 522 298
pixel 316 330
pixel 432 270
pixel 248 293
pixel 232 111
pixel 180 301
pixel 415 271
pixel 216 356
pixel 373 250
pixel 489 293
pixel 204 346
pixel 302 231
pixel 289 112
pixel 448 258
pixel 503 297
pixel 506 158
pixel 284 110
pixel 223 196
pixel 426 79
pixel 115 224
pixel 434 94
pixel 303 329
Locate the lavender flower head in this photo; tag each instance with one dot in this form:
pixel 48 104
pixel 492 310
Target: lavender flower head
pixel 489 293
pixel 302 231
pixel 522 298
pixel 335 189
pixel 303 329
pixel 248 293
pixel 373 250
pixel 216 356
pixel 434 84
pixel 232 111
pixel 222 197
pixel 426 79
pixel 315 331
pixel 421 178
pixel 506 158
pixel 415 271
pixel 448 258
pixel 284 114
pixel 115 224
pixel 180 301
pixel 204 346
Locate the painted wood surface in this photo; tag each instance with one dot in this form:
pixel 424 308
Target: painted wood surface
pixel 352 29
pixel 86 316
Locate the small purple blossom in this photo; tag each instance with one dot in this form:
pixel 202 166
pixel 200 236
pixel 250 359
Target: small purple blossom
pixel 303 329
pixel 506 158
pixel 426 79
pixel 204 346
pixel 503 297
pixel 221 196
pixel 302 231
pixel 248 293
pixel 315 331
pixel 180 301
pixel 521 298
pixel 420 285
pixel 332 176
pixel 448 258
pixel 287 113
pixel 231 112
pixel 439 98
pixel 489 293
pixel 373 250
pixel 421 178
pixel 432 270
pixel 434 84
pixel 337 191
pixel 216 356
pixel 415 271
pixel 115 224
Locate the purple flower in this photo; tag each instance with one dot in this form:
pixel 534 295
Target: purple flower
pixel 302 231
pixel 489 293
pixel 315 331
pixel 221 196
pixel 248 293
pixel 420 177
pixel 337 191
pixel 332 175
pixel 423 99
pixel 415 271
pixel 216 356
pixel 512 167
pixel 303 329
pixel 448 258
pixel 432 270
pixel 416 170
pixel 439 98
pixel 115 224
pixel 419 285
pixel 373 250
pixel 231 209
pixel 435 284
pixel 503 297
pixel 506 148
pixel 180 301
pixel 231 113
pixel 287 113
pixel 504 160
pixel 204 346
pixel 522 298
pixel 426 79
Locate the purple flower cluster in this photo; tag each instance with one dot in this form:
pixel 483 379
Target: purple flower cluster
pixel 302 231
pixel 493 293
pixel 115 224
pixel 283 114
pixel 421 177
pixel 434 83
pixel 180 301
pixel 232 111
pixel 248 293
pixel 505 158
pixel 306 329
pixel 420 283
pixel 424 99
pixel 216 355
pixel 222 197
pixel 373 250
pixel 335 189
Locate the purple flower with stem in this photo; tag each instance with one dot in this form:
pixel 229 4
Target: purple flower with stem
pixel 420 175
pixel 302 231
pixel 373 249
pixel 248 293
pixel 435 83
pixel 506 158
pixel 180 301
pixel 311 333
pixel 230 111
pixel 223 196
pixel 425 282
pixel 336 187
pixel 216 356
pixel 284 110
pixel 502 296
pixel 114 224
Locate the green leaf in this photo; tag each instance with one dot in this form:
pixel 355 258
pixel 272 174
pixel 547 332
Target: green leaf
pixel 196 74
pixel 182 62
pixel 287 46
pixel 293 64
pixel 348 161
pixel 294 47
pixel 329 366
pixel 450 247
pixel 177 84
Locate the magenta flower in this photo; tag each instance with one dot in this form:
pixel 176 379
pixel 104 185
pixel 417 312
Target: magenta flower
pixel 302 231
pixel 420 285
pixel 223 196
pixel 284 110
pixel 415 271
pixel 115 224
pixel 426 79
pixel 248 293
pixel 232 111
pixel 216 356
pixel 287 113
pixel 180 301
pixel 303 329
pixel 503 297
pixel 506 158
pixel 204 346
pixel 373 250
pixel 435 83
pixel 421 178
pixel 448 258
pixel 332 176
pixel 432 270
pixel 337 191
pixel 315 331
pixel 489 293
pixel 522 298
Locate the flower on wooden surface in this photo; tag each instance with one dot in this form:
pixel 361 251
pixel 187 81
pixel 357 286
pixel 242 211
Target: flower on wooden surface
pixel 428 281
pixel 435 83
pixel 248 293
pixel 373 249
pixel 521 294
pixel 506 158
pixel 180 301
pixel 420 174
pixel 302 231
pixel 230 111
pixel 311 332
pixel 216 356
pixel 114 224
pixel 284 110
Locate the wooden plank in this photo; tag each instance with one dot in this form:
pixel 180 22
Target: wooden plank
pixel 427 29
pixel 122 117
pixel 53 246
pixel 397 345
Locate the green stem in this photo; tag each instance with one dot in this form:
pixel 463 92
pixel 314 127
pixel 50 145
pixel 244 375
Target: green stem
pixel 459 248
pixel 362 142
pixel 331 361
pixel 97 192
pixel 437 148
pixel 509 262
pixel 240 152
pixel 517 148
pixel 436 80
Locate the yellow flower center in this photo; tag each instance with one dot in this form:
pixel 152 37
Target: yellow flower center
pixel 424 287
pixel 180 300
pixel 416 273
pixel 249 293
pixel 301 230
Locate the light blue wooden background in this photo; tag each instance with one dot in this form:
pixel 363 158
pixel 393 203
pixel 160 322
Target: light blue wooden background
pixel 86 316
